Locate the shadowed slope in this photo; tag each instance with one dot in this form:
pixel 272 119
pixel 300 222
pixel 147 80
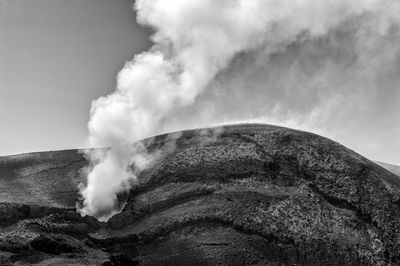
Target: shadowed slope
pixel 247 194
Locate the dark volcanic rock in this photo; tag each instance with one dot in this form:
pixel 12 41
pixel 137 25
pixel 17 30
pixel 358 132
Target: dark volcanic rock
pixel 246 195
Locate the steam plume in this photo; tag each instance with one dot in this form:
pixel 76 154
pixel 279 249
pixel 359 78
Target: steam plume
pixel 234 60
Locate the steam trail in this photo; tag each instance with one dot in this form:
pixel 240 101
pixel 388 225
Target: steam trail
pixel 204 52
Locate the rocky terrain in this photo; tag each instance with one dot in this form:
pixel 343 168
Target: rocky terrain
pixel 238 195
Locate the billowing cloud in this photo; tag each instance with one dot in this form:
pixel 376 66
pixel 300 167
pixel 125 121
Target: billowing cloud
pixel 310 64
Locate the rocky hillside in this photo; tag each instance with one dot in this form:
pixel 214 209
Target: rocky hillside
pixel 239 195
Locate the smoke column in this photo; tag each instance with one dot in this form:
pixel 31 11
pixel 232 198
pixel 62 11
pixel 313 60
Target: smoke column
pixel 234 60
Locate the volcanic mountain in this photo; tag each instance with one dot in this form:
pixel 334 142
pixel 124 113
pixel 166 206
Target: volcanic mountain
pixel 235 195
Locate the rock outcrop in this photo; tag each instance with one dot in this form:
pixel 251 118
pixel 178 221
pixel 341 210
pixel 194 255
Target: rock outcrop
pixel 239 195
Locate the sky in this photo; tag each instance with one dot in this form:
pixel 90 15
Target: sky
pixel 57 56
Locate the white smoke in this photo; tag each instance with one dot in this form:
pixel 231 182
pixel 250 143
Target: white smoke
pixel 210 58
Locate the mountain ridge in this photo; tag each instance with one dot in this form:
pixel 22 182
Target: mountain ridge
pixel 395 169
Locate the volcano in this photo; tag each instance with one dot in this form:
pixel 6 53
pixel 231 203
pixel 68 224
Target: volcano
pixel 249 195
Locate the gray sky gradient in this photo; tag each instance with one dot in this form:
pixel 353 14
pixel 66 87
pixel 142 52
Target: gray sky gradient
pixel 56 56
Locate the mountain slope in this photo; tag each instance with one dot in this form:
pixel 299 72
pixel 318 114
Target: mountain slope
pixel 43 178
pixel 395 169
pixel 243 194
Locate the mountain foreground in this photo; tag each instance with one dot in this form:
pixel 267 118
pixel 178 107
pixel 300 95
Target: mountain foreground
pixel 235 195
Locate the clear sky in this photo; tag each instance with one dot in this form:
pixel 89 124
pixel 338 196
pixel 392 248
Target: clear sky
pixel 56 56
